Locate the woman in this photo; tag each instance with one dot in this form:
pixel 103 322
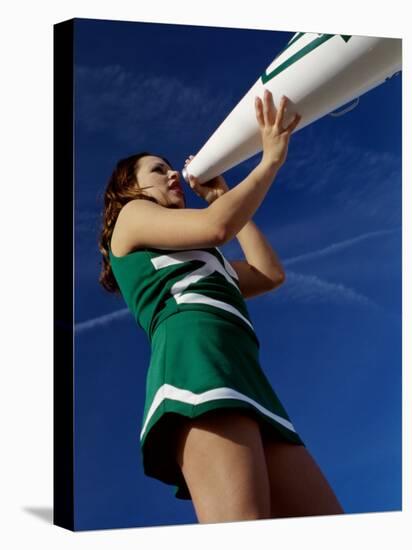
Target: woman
pixel 212 424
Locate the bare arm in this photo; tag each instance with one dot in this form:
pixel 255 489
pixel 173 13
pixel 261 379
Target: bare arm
pixel 259 254
pixel 261 271
pixel 236 207
pixel 143 223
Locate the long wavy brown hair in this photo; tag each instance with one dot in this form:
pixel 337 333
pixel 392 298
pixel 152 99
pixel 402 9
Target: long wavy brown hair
pixel 121 188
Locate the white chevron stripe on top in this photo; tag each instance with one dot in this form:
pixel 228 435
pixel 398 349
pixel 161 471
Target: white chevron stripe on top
pixel 192 298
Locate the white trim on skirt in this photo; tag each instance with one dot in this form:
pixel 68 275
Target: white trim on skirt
pixel 168 391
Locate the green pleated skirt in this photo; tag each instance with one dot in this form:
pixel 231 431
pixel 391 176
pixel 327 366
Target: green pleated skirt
pixel 200 362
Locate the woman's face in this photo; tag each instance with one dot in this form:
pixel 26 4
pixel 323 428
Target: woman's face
pixel 159 181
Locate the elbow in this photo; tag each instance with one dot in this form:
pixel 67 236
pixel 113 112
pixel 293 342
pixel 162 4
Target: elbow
pixel 279 279
pixel 217 232
pixel 220 236
pixel 225 234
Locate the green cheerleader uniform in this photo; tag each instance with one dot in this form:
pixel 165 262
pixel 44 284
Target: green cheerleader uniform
pixel 205 352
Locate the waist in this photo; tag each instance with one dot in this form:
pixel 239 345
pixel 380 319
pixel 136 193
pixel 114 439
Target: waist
pixel 188 316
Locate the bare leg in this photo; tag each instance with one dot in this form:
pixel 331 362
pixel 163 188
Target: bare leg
pixel 223 462
pixel 298 487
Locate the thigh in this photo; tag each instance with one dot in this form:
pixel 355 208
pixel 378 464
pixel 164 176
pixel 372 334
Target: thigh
pixel 222 460
pixel 297 485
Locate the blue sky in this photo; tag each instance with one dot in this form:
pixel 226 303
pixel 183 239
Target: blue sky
pixel 330 336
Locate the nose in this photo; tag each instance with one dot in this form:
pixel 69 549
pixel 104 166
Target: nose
pixel 173 175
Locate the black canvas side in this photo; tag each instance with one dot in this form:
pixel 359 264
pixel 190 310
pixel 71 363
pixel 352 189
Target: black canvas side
pixel 63 246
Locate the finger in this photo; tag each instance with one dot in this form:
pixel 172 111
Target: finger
pixel 259 112
pixel 193 181
pixel 296 119
pixel 269 110
pixel 281 111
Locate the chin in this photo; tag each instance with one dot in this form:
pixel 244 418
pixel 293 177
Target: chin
pixel 177 205
pixel 180 204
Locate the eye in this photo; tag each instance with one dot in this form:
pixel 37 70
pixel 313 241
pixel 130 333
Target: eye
pixel 158 168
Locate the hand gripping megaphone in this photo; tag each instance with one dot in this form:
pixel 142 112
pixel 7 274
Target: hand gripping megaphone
pixel 318 73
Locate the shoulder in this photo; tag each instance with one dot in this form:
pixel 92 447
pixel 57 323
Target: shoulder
pixel 121 244
pixel 130 209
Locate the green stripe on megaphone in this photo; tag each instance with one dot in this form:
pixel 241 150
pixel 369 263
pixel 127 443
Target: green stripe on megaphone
pixel 301 53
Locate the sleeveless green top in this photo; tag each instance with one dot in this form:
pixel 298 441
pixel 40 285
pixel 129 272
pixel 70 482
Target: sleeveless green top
pixel 156 283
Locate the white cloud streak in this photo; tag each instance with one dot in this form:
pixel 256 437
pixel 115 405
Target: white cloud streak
pixel 310 289
pixel 102 320
pixel 129 104
pixel 337 247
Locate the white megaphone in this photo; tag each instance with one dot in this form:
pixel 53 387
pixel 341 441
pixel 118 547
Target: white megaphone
pixel 318 73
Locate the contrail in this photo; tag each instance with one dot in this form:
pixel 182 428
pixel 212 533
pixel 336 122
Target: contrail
pixel 336 247
pixel 102 320
pixel 310 289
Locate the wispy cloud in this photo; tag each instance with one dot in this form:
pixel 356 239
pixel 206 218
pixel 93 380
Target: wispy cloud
pixel 102 320
pixel 87 221
pixel 127 103
pixel 359 183
pixel 311 289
